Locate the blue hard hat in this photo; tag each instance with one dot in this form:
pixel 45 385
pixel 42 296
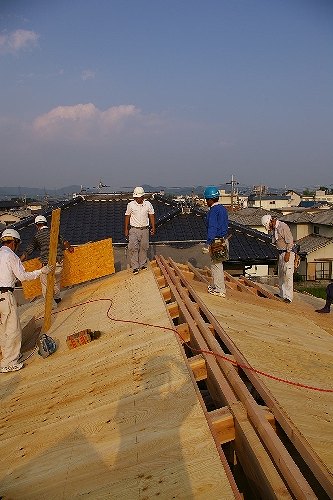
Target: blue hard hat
pixel 211 192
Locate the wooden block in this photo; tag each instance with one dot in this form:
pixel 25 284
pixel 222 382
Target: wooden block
pixel 198 367
pixel 79 338
pixel 184 331
pixel 223 425
pixel 173 309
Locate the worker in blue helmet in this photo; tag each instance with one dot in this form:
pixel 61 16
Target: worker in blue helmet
pixel 218 245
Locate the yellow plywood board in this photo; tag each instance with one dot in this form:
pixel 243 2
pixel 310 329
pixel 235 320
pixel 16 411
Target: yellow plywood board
pixel 87 262
pixel 116 418
pixel 287 341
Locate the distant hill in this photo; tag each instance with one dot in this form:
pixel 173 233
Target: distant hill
pixel 31 192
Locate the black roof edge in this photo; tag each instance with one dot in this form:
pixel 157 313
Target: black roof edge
pixel 30 220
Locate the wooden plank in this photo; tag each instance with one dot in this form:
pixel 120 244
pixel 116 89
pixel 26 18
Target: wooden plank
pixel 54 235
pixel 265 474
pixel 116 418
pixel 281 457
pixel 254 325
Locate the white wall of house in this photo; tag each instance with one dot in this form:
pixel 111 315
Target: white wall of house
pixel 321 196
pixel 258 270
pixel 321 258
pixel 295 198
pixel 322 230
pixel 300 230
pixel 267 204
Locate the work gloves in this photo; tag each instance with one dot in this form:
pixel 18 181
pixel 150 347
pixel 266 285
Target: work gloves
pixel 47 269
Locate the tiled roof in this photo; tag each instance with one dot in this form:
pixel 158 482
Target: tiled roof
pixel 313 242
pixel 324 217
pixel 297 217
pixel 250 216
pixel 84 221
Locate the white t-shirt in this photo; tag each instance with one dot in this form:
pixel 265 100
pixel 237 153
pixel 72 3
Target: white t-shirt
pixel 139 212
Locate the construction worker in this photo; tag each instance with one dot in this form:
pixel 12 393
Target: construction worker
pixel 217 229
pixel 283 240
pixel 41 242
pixel 139 214
pixel 11 270
pixel 329 300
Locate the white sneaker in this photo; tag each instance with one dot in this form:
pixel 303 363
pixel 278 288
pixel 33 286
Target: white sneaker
pixel 212 290
pixel 11 368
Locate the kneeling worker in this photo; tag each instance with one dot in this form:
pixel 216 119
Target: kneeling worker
pixel 11 270
pixel 41 242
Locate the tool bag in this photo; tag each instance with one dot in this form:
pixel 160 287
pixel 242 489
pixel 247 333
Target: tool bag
pixel 297 259
pixel 219 250
pixel 46 345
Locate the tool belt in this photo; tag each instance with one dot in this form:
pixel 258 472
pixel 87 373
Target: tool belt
pixel 219 250
pixel 4 289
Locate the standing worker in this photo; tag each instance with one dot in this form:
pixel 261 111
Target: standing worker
pixel 41 242
pixel 11 269
pixel 217 229
pixel 139 213
pixel 283 240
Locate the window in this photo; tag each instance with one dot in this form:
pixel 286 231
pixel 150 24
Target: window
pixel 316 229
pixel 323 270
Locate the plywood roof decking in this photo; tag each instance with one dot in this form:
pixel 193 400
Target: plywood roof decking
pixel 116 418
pixel 291 342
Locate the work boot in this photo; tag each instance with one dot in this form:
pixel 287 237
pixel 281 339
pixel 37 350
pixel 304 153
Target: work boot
pixel 323 310
pixel 326 309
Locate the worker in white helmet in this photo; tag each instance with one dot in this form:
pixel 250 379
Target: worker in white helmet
pixel 11 270
pixel 138 216
pixel 283 240
pixel 41 242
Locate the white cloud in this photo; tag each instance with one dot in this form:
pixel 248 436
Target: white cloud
pixel 87 74
pixel 18 40
pixel 85 121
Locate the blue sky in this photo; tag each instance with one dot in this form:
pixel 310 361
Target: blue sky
pixel 166 92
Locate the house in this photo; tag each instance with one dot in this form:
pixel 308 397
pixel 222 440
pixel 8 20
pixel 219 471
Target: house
pixel 295 198
pixel 314 233
pixel 312 229
pixel 269 201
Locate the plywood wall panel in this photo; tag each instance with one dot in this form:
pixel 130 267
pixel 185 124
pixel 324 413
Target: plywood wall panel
pixel 87 262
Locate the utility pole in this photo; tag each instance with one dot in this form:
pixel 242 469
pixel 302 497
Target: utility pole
pixel 233 183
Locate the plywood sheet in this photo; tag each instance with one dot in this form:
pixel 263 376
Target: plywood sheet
pixel 87 262
pixel 115 418
pixel 288 341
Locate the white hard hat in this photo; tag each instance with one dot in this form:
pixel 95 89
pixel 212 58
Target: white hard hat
pixel 138 192
pixel 40 219
pixel 265 220
pixel 10 234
